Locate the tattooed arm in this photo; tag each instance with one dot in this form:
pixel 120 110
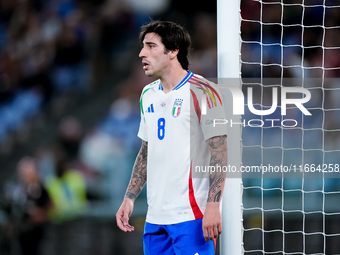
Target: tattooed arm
pixel 138 178
pixel 218 149
pixel 212 219
pixel 137 182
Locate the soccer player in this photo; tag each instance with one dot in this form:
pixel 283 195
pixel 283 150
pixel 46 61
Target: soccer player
pixel 179 139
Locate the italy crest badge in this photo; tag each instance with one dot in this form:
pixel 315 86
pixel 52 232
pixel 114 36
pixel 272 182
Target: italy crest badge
pixel 176 110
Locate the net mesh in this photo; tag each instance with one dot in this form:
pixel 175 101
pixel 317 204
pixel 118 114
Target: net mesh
pixel 291 43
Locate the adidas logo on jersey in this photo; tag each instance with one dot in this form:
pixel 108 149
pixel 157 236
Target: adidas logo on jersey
pixel 150 109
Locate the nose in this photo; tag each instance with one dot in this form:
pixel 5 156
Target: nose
pixel 142 53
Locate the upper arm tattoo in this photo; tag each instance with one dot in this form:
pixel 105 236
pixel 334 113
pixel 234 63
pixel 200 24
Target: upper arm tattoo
pixel 138 177
pixel 218 148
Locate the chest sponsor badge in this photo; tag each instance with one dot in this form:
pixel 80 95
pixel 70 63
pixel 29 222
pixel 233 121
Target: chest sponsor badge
pixel 176 110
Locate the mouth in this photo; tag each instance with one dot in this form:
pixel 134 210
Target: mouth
pixel 145 65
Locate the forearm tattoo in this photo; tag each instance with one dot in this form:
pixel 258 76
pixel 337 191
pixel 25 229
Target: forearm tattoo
pixel 138 177
pixel 218 149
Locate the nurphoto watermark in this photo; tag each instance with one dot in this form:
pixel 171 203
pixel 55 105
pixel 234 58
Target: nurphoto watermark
pixel 283 123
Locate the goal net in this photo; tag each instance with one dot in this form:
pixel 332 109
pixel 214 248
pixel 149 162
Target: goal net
pixel 291 187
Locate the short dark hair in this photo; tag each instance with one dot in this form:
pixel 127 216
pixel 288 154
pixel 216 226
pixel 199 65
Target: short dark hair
pixel 173 37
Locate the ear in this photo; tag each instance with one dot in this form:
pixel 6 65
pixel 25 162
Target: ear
pixel 173 53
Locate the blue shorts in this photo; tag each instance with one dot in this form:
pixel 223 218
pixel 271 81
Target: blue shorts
pixel 184 238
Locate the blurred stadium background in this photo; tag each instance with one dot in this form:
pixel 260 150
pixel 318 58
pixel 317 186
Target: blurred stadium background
pixel 70 80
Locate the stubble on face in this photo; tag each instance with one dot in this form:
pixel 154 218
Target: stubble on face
pixel 154 55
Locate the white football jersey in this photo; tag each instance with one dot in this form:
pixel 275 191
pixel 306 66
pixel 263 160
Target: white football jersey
pixel 176 130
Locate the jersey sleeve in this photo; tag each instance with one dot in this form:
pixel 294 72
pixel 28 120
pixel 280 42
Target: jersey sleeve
pixel 142 132
pixel 208 106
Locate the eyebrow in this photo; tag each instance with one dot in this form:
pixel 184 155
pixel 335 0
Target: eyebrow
pixel 148 43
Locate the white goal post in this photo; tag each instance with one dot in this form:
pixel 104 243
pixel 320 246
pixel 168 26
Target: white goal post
pixel 296 42
pixel 228 52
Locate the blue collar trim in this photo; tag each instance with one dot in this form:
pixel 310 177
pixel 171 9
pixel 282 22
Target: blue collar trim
pixel 185 80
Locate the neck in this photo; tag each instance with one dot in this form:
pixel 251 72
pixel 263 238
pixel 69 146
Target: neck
pixel 172 78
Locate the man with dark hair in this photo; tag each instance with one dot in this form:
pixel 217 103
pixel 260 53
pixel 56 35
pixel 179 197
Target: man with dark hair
pixel 177 137
pixel 173 36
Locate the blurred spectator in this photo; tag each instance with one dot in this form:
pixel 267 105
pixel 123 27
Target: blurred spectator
pixel 71 70
pixel 27 205
pixel 116 26
pixel 9 77
pixel 70 137
pixel 68 193
pixel 38 77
